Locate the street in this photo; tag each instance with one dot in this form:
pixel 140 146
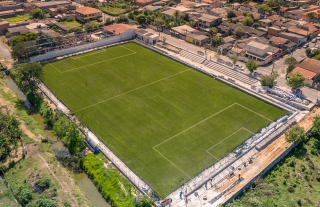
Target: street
pixel 5 52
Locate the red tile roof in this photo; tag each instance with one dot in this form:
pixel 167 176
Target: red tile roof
pixel 187 2
pixel 310 64
pixel 118 28
pixel 298 31
pixel 307 74
pixel 311 27
pixel 251 4
pixel 274 18
pixel 87 10
pixel 278 40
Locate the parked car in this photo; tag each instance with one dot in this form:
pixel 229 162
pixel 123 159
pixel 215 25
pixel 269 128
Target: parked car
pixel 229 64
pixel 200 53
pixel 317 46
pixel 257 73
pixel 314 40
pixel 239 67
pixel 306 45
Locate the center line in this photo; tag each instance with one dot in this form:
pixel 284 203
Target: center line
pixel 133 90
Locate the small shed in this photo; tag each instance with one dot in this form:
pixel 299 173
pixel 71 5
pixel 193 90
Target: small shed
pixel 147 37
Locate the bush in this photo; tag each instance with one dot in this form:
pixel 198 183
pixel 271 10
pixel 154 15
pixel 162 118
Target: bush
pixel 26 195
pixel 318 178
pixel 171 3
pixel 70 19
pixel 77 29
pixel 45 202
pixel 299 202
pixel 44 182
pixel 290 189
pixel 8 35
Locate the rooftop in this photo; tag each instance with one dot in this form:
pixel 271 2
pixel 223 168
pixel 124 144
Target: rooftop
pixel 310 27
pixel 307 74
pixel 310 64
pixel 228 39
pixel 218 10
pixel 183 29
pixel 87 10
pixel 258 45
pixel 278 40
pixel 274 17
pixel 208 17
pixel 298 11
pixel 51 3
pixel 298 31
pixel 118 28
pixel 20 29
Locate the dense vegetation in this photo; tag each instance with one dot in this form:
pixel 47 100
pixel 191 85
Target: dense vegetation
pixel 294 181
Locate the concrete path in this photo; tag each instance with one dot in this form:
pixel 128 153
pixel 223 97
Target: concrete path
pixel 5 52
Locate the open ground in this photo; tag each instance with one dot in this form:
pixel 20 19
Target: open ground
pixel 166 121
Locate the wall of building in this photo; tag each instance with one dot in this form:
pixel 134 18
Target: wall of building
pixel 257 51
pixel 53 54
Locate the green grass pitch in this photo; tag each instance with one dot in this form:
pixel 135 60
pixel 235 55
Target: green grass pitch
pixel 166 121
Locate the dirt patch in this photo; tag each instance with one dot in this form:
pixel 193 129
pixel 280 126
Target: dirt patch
pixel 31 149
pixel 37 189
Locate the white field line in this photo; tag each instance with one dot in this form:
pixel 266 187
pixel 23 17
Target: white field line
pixel 133 52
pixel 195 124
pixel 133 90
pixel 55 68
pixel 93 53
pixel 172 163
pixel 225 139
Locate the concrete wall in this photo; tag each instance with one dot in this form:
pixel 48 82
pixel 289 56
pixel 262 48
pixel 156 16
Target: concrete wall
pixel 53 54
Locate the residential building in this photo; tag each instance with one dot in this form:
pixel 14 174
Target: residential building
pixel 249 7
pixel 309 68
pixel 266 22
pixel 184 30
pixel 88 14
pixel 208 21
pixel 197 39
pixel 217 4
pixel 259 52
pixel 152 8
pixel 299 39
pixel 147 37
pixel 117 29
pixel 278 41
pixel 299 31
pixel 274 18
pixel 15 31
pixel 51 4
pixel 228 28
pixel 311 29
pixel 294 14
pixel 4 25
pixel 229 40
pixel 273 31
pixel 169 13
pixel 220 12
pixel 56 11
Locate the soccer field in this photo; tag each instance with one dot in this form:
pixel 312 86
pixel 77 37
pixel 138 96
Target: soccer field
pixel 166 121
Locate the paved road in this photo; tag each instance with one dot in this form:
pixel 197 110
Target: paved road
pixel 5 52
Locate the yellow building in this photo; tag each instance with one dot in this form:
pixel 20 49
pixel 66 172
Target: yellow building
pixel 88 14
pixel 196 39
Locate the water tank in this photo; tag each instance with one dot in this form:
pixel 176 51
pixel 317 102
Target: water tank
pixel 92 139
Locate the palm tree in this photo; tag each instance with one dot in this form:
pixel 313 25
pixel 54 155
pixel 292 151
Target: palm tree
pixel 176 15
pixel 164 38
pixel 159 23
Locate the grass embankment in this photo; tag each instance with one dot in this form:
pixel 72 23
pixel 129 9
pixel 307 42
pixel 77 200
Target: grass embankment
pixel 19 18
pixel 25 174
pixel 162 118
pixel 108 181
pixel 294 181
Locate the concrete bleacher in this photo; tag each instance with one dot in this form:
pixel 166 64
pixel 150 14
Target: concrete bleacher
pixel 191 56
pixel 231 73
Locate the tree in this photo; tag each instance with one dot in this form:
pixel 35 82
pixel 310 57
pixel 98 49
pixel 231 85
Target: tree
pixel 308 51
pixel 26 195
pixel 24 37
pixel 108 21
pixel 44 182
pixel 216 41
pixel 164 38
pixel 38 14
pixel 159 23
pixel 268 80
pixel 245 13
pixel 248 21
pixel 252 65
pixel 30 74
pixel 94 4
pixel 296 80
pixel 213 31
pixel 171 3
pixel 186 17
pixel 141 18
pixel 295 134
pixel 45 202
pixel 256 25
pixel 234 59
pixel 292 62
pixel 176 15
pixel 18 51
pixel 8 35
pixel 77 29
pixel 147 12
pixel 238 31
pixel 231 14
pixel 316 126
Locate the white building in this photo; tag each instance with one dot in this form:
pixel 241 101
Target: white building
pixel 147 37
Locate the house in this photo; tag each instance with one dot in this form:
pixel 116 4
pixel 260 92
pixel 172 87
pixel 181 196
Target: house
pixel 266 22
pixel 12 13
pixel 294 14
pixel 181 9
pixel 152 8
pixel 298 31
pixel 249 7
pixel 278 41
pixel 185 3
pixel 146 36
pixel 4 25
pixel 197 39
pixel 229 40
pixel 259 52
pixel 217 4
pixel 15 31
pixel 208 21
pixel 118 29
pixel 39 26
pixel 256 16
pixel 169 13
pixel 274 18
pixel 182 31
pixel 309 68
pixel 227 28
pixel 51 4
pixel 56 11
pixel 311 29
pixel 299 39
pixel 88 14
pixel 238 19
pixel 273 31
pixel 220 12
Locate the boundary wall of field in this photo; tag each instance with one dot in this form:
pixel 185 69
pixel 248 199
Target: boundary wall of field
pixel 102 42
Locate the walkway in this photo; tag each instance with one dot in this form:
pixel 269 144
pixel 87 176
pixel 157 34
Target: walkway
pixel 5 52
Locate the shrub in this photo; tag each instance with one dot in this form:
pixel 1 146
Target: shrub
pixel 77 29
pixel 171 3
pixel 26 195
pixel 44 182
pixel 303 168
pixel 8 35
pixel 290 189
pixel 306 177
pixel 70 19
pixel 299 202
pixel 318 178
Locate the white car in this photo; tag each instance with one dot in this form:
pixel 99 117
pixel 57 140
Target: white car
pixel 314 40
pixel 240 67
